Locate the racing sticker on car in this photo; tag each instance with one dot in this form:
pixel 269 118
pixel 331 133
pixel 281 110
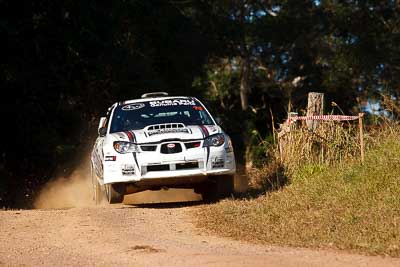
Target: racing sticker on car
pixel 110 158
pixel 131 136
pixel 172 102
pixel 197 108
pixel 204 130
pixel 135 106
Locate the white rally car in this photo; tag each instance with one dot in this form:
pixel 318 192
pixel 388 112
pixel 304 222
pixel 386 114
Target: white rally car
pixel 161 142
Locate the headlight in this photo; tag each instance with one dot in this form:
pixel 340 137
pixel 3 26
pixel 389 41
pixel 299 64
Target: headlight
pixel 214 140
pixel 125 147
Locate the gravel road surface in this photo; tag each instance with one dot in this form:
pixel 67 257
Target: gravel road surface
pixel 142 235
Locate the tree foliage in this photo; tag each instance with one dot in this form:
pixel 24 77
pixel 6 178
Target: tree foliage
pixel 64 62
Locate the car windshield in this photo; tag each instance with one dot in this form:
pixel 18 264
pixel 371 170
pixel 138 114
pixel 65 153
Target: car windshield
pixel 138 115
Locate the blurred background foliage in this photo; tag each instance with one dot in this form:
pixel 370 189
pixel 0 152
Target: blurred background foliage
pixel 64 62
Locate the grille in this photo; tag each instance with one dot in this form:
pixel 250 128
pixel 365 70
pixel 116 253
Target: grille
pixel 158 168
pixel 148 148
pixel 192 145
pixel 187 165
pixel 171 150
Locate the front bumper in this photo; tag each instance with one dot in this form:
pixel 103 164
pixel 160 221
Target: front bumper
pixel 193 163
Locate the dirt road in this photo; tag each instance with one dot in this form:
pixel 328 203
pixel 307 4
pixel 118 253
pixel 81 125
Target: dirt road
pixel 137 235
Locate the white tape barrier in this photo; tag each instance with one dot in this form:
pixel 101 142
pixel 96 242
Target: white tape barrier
pixel 323 118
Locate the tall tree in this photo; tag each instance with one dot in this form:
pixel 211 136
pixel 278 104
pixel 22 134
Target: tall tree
pixel 64 62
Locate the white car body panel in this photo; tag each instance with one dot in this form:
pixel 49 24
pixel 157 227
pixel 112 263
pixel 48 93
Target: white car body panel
pixel 113 167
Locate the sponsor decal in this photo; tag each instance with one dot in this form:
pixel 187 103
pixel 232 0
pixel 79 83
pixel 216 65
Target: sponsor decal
pixel 128 169
pixel 171 145
pixel 198 108
pixel 110 158
pixel 172 102
pixel 135 106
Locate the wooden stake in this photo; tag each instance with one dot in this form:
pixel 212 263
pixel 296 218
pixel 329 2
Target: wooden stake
pixel 315 106
pixel 360 124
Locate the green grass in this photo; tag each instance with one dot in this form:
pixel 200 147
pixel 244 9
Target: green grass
pixel 351 207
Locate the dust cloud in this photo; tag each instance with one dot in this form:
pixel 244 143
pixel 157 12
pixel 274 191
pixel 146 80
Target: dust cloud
pixel 76 191
pixel 63 192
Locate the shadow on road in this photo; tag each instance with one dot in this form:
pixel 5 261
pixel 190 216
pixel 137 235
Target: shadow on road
pixel 172 198
pixel 178 198
pixel 168 205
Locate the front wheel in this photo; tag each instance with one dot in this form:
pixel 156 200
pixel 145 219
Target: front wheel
pixel 219 187
pixel 97 192
pixel 115 192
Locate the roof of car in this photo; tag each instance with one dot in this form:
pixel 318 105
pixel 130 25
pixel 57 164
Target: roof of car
pixel 147 99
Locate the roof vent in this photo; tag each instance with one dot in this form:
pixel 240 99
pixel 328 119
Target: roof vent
pixel 154 94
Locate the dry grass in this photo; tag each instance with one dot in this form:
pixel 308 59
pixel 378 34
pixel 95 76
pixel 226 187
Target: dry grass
pixel 270 177
pixel 344 206
pixel 333 143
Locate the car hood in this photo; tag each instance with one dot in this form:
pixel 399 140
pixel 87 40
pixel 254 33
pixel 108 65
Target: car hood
pixel 156 133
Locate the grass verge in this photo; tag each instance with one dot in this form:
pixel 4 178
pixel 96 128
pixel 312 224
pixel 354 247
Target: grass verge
pixel 349 207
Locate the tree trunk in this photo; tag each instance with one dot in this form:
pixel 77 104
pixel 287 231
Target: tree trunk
pixel 244 82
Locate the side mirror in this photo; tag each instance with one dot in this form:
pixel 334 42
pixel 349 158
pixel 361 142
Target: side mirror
pixel 218 120
pixel 102 131
pixel 101 122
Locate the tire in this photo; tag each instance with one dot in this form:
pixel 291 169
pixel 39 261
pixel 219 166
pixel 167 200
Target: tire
pixel 219 187
pixel 115 192
pixel 97 192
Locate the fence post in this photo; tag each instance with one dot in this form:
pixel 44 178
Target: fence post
pixel 360 125
pixel 315 106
